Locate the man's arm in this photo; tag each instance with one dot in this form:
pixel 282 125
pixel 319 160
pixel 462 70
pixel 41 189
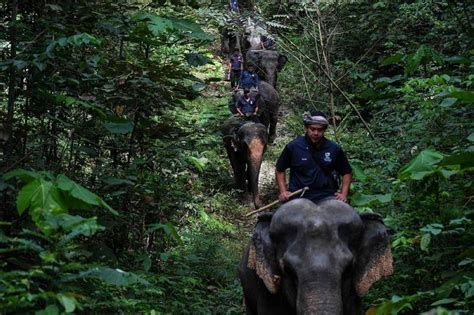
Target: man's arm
pixel 346 184
pixel 281 181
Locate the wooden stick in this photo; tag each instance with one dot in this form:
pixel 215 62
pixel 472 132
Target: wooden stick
pixel 299 191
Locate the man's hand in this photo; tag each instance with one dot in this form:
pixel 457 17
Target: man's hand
pixel 284 196
pixel 341 197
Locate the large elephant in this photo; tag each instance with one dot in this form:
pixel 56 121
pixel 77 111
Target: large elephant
pixel 230 40
pixel 268 103
pixel 268 63
pixel 314 259
pixel 245 145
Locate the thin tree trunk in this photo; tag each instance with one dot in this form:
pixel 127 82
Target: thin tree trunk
pixel 12 79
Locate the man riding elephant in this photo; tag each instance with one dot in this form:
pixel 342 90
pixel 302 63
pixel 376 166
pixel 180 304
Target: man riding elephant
pixel 268 103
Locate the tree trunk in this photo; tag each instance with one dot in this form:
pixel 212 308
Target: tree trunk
pixel 12 81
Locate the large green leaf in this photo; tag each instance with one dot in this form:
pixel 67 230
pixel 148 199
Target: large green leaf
pixel 39 194
pixel 425 242
pixel 358 172
pixel 77 191
pixel 191 29
pixel 156 24
pixel 464 160
pixel 360 200
pixel 68 302
pixel 25 175
pixel 114 276
pixel 422 165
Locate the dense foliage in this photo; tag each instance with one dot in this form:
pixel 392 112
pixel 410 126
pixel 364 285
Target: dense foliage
pixel 397 78
pixel 115 190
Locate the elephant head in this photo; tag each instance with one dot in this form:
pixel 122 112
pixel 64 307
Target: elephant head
pixel 318 259
pixel 268 62
pixel 245 145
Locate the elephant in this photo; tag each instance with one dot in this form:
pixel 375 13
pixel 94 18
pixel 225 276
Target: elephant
pixel 268 102
pixel 245 143
pixel 268 63
pixel 231 40
pixel 309 258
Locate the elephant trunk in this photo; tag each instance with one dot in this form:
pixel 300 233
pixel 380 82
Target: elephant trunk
pixel 315 298
pixel 256 150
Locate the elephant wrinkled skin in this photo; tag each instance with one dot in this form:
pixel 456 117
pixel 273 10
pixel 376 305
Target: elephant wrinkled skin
pixel 313 259
pixel 268 63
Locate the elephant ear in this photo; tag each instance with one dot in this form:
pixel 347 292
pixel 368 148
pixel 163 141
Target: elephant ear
pixel 282 60
pixel 374 257
pixel 262 254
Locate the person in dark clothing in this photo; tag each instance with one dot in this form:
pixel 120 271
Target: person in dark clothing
pixel 234 6
pixel 236 65
pixel 247 105
pixel 249 78
pixel 313 161
pixel 267 43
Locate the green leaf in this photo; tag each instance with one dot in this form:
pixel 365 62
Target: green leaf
pixel 425 242
pixel 465 96
pixel 191 29
pixel 119 126
pixel 360 200
pixel 68 302
pixel 471 137
pixel 82 38
pixel 168 228
pixel 77 191
pixel 464 160
pixel 358 172
pixel 447 102
pixel 434 228
pixel 114 276
pixel 392 59
pixel 422 165
pixel 198 163
pixel 25 175
pixel 444 301
pixel 51 309
pixel 39 194
pixel 108 207
pixel 156 24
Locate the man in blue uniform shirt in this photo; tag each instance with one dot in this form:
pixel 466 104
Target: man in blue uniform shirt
pixel 249 78
pixel 247 105
pixel 313 161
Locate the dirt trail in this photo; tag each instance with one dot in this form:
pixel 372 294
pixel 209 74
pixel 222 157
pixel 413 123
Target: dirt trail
pixel 267 184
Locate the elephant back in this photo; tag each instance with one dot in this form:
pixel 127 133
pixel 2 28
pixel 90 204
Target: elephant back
pixel 269 99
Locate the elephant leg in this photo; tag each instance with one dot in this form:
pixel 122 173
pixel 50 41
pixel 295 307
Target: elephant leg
pixel 272 131
pixel 238 165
